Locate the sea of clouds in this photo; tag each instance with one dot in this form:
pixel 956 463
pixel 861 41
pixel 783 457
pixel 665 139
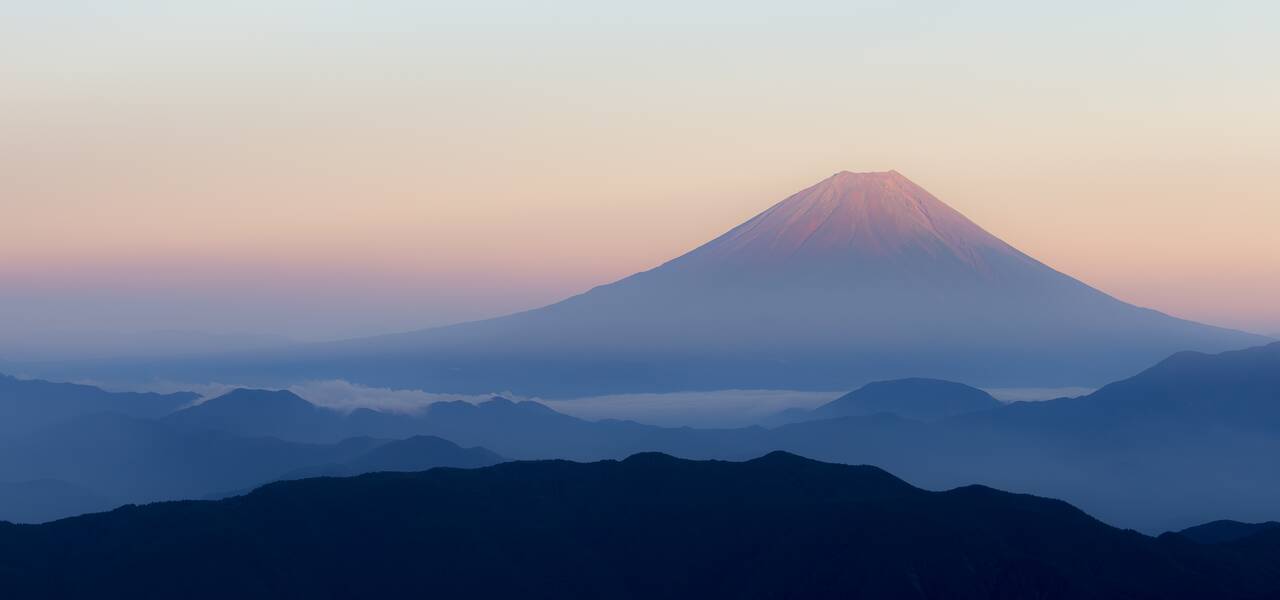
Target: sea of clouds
pixel 723 408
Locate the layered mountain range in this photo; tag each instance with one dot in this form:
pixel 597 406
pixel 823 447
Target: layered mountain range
pixel 645 527
pixel 1189 440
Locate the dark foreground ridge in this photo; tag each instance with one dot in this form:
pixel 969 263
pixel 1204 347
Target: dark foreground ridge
pixel 647 527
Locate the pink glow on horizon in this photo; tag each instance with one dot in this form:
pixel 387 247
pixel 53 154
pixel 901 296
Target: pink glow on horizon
pixel 222 165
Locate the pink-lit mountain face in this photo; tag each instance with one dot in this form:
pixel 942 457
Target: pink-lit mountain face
pixel 853 217
pixel 861 277
pixel 859 231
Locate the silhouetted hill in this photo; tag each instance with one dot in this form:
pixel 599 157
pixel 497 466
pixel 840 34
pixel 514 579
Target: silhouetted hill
pixel 259 413
pixel 1181 443
pixel 99 460
pixel 1189 390
pixel 1239 389
pixel 1187 441
pixel 417 453
pixel 28 404
pixel 650 526
pixel 1221 532
pixel 526 429
pixel 917 398
pixel 140 460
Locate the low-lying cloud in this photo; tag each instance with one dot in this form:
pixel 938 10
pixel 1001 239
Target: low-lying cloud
pixel 1037 394
pixel 725 408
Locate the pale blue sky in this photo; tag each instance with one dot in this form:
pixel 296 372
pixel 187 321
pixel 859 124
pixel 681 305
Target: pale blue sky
pixel 392 165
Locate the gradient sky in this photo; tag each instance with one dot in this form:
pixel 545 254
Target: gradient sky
pixel 325 169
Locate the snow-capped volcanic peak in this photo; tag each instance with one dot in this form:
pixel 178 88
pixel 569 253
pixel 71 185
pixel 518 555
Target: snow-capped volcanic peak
pixel 856 215
pixel 861 277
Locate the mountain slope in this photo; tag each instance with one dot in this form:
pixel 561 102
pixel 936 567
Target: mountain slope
pixel 263 413
pixel 1221 532
pixel 142 460
pixel 418 453
pixel 649 526
pixel 1238 389
pixel 922 399
pixel 1184 442
pixel 861 277
pixel 28 404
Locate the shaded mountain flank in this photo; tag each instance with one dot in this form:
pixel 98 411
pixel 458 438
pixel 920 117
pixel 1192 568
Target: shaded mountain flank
pixel 1221 532
pixel 1187 441
pixel 100 461
pixel 28 404
pixel 264 413
pixel 1184 442
pixel 418 453
pixel 916 398
pixel 648 526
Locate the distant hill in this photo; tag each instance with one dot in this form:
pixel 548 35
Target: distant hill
pixel 1187 441
pixel 259 413
pixel 418 453
pixel 94 458
pixel 530 428
pixel 1221 532
pixel 28 404
pixel 142 460
pixel 650 526
pixel 918 398
pixel 1189 390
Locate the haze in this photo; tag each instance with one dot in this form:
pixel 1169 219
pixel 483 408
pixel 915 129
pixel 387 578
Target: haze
pixel 324 170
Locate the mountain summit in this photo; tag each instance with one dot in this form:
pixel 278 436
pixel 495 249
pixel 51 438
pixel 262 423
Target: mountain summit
pixel 860 277
pixel 853 217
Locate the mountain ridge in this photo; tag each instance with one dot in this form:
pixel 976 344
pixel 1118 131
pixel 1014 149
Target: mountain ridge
pixel 874 212
pixel 913 398
pixel 784 525
pixel 1177 445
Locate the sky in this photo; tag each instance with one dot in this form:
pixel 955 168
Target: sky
pixel 319 170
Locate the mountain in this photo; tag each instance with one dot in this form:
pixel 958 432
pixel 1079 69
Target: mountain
pixel 921 399
pixel 418 453
pixel 1183 442
pixel 860 277
pixel 99 461
pixel 524 429
pixel 73 449
pixel 142 460
pixel 649 526
pixel 263 413
pixel 29 404
pixel 1238 390
pixel 1220 532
